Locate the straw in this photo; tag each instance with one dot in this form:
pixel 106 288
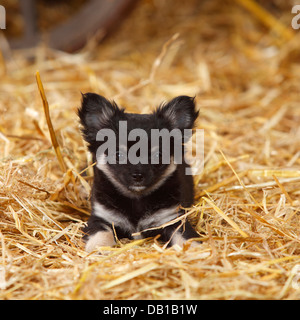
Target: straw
pixel 49 123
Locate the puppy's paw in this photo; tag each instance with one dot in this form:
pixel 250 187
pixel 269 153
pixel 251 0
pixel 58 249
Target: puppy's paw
pixel 100 239
pixel 178 241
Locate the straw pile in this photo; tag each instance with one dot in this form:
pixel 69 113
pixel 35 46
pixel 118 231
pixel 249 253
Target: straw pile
pixel 243 66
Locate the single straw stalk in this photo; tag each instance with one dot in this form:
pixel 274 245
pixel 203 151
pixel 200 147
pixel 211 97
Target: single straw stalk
pixel 49 123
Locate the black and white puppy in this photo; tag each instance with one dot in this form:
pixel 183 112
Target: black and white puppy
pixel 134 189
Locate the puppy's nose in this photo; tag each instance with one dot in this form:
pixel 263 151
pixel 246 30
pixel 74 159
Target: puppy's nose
pixel 137 177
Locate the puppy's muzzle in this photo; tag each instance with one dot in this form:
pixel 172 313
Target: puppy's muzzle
pixel 138 178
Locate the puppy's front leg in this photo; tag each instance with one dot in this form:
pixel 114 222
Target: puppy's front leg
pixel 100 239
pixel 98 235
pixel 180 236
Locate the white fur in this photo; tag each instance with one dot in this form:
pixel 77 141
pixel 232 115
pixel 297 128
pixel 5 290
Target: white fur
pixel 137 188
pixel 137 191
pixel 100 239
pixel 112 217
pixel 179 240
pixel 158 218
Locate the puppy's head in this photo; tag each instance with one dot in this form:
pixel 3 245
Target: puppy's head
pixel 135 151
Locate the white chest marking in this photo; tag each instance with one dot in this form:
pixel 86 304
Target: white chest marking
pixel 158 218
pixel 112 217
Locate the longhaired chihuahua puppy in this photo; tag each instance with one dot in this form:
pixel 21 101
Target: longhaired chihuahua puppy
pixel 139 184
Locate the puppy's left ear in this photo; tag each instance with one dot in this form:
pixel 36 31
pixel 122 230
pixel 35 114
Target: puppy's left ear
pixel 180 112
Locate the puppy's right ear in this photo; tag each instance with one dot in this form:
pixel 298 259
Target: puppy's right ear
pixel 95 113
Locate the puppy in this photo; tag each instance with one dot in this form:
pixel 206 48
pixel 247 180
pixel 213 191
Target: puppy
pixel 140 180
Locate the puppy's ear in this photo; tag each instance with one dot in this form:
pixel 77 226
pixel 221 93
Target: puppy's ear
pixel 95 113
pixel 180 112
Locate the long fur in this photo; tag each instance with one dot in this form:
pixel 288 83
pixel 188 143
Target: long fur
pixel 130 198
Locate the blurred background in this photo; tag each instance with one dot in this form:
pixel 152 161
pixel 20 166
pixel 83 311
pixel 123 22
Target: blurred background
pixel 68 25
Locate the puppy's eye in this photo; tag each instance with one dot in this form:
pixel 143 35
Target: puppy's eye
pixel 120 157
